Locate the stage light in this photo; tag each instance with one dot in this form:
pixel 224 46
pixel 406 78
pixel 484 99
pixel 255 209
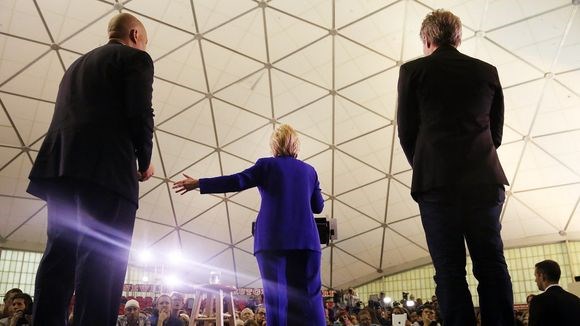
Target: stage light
pixel 145 279
pixel 175 257
pixel 172 280
pixel 387 300
pixel 145 256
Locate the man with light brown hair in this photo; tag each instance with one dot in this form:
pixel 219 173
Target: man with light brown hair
pixel 96 151
pixel 450 122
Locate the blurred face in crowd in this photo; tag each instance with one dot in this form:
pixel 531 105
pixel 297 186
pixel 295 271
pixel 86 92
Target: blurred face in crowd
pixel 414 317
pixel 398 311
pixel 18 305
pixel 428 315
pixel 261 315
pixel 353 320
pixel 246 314
pixel 364 319
pixel 176 302
pixel 132 313
pixel 163 303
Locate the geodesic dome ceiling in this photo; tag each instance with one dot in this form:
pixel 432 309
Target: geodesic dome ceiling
pixel 228 71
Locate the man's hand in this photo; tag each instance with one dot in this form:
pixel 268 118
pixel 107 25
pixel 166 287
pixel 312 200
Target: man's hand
pixel 144 176
pixel 185 185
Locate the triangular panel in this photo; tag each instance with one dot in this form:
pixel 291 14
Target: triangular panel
pixel 354 62
pixel 350 172
pixel 374 148
pixel 312 63
pixel 290 93
pixel 555 204
pixel 244 34
pixel 40 80
pixel 287 34
pixel 352 223
pixel 31 117
pixel 212 224
pixel 235 123
pixel 313 120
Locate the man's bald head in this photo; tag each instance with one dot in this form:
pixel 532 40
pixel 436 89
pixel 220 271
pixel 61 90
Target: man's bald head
pixel 129 30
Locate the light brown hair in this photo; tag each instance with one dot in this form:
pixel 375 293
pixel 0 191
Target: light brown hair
pixel 441 27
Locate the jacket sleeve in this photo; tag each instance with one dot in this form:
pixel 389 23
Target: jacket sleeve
pixel 407 114
pixel 230 183
pixel 138 83
pixel 496 113
pixel 316 201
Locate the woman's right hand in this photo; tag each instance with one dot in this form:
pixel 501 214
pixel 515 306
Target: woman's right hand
pixel 185 185
pixel 163 314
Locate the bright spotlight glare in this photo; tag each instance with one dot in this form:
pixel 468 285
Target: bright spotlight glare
pixel 145 256
pixel 410 303
pixel 387 299
pixel 145 279
pixel 172 280
pixel 175 257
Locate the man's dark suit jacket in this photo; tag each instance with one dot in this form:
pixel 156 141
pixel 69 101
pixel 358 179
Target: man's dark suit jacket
pixel 554 307
pixel 290 193
pixel 102 124
pixel 450 120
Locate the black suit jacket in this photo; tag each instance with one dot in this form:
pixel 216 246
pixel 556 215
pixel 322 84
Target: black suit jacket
pixel 450 120
pixel 102 123
pixel 554 307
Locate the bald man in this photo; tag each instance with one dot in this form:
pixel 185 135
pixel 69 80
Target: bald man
pixel 97 149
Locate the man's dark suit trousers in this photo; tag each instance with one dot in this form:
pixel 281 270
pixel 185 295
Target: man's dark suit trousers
pixel 89 236
pixel 451 217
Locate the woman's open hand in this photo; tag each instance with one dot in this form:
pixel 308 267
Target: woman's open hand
pixel 185 185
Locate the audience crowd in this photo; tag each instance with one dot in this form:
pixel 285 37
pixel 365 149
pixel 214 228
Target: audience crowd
pixel 345 308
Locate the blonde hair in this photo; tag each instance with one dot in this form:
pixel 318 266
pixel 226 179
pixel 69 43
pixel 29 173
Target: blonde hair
pixel 284 141
pixel 441 27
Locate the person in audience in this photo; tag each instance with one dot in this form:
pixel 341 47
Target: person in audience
pixel 353 320
pixel 289 265
pixel 450 117
pixel 260 315
pixel 350 299
pixel 555 306
pixel 399 310
pixel 6 311
pixel 246 314
pixel 184 318
pixel 20 312
pixel 364 318
pixel 177 302
pixel 132 316
pixel 427 317
pixel 526 313
pixel 162 314
pixel 251 322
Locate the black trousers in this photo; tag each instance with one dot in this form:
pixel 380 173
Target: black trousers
pixel 89 236
pixel 453 217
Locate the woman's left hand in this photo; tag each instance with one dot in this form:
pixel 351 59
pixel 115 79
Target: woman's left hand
pixel 185 185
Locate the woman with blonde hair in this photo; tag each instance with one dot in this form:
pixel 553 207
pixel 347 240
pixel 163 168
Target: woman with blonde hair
pixel 286 241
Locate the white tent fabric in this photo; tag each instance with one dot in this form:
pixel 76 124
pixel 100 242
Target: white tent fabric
pixel 228 71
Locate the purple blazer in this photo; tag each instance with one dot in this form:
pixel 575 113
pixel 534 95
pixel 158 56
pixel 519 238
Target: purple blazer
pixel 290 194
